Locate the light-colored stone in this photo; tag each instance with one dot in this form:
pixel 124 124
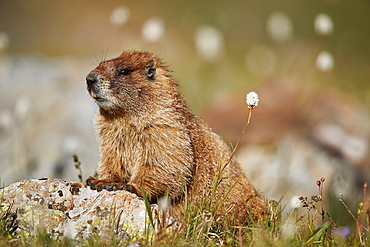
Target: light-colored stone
pixel 72 210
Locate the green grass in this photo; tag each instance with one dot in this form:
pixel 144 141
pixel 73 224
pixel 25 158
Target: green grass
pixel 315 227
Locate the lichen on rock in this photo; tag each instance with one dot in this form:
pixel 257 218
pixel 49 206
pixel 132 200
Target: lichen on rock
pixel 70 209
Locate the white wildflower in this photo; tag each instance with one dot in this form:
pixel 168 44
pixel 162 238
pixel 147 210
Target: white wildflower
pixel 252 100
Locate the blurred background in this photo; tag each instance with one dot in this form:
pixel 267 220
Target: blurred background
pixel 308 61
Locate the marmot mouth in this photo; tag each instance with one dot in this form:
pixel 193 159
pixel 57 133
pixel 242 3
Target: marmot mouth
pixel 99 99
pixel 95 97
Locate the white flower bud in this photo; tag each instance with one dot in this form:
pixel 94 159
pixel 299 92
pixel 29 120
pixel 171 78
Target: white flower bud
pixel 252 99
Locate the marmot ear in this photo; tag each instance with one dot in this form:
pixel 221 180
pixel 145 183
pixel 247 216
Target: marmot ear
pixel 150 70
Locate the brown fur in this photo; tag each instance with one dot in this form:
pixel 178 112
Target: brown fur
pixel 150 139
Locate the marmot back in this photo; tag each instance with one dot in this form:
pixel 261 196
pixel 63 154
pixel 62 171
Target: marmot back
pixel 150 139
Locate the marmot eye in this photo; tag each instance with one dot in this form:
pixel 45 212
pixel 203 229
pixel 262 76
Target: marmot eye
pixel 123 72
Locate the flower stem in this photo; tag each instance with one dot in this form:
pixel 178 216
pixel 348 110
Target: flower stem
pixel 240 137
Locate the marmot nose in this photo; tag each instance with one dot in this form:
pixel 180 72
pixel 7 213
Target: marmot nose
pixel 92 78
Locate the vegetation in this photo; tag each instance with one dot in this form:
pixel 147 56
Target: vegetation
pixel 313 227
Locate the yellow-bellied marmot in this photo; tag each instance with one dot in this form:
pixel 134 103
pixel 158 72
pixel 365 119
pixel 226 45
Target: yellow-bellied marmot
pixel 150 139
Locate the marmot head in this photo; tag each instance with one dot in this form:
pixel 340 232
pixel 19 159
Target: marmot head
pixel 132 83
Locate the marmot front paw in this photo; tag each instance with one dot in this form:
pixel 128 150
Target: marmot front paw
pixel 99 185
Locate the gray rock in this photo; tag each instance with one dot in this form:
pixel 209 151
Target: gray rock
pixel 72 210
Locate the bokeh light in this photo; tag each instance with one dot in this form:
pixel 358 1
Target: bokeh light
pixel 120 16
pixel 324 24
pixel 325 61
pixel 209 42
pixel 153 29
pixel 279 26
pixel 4 41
